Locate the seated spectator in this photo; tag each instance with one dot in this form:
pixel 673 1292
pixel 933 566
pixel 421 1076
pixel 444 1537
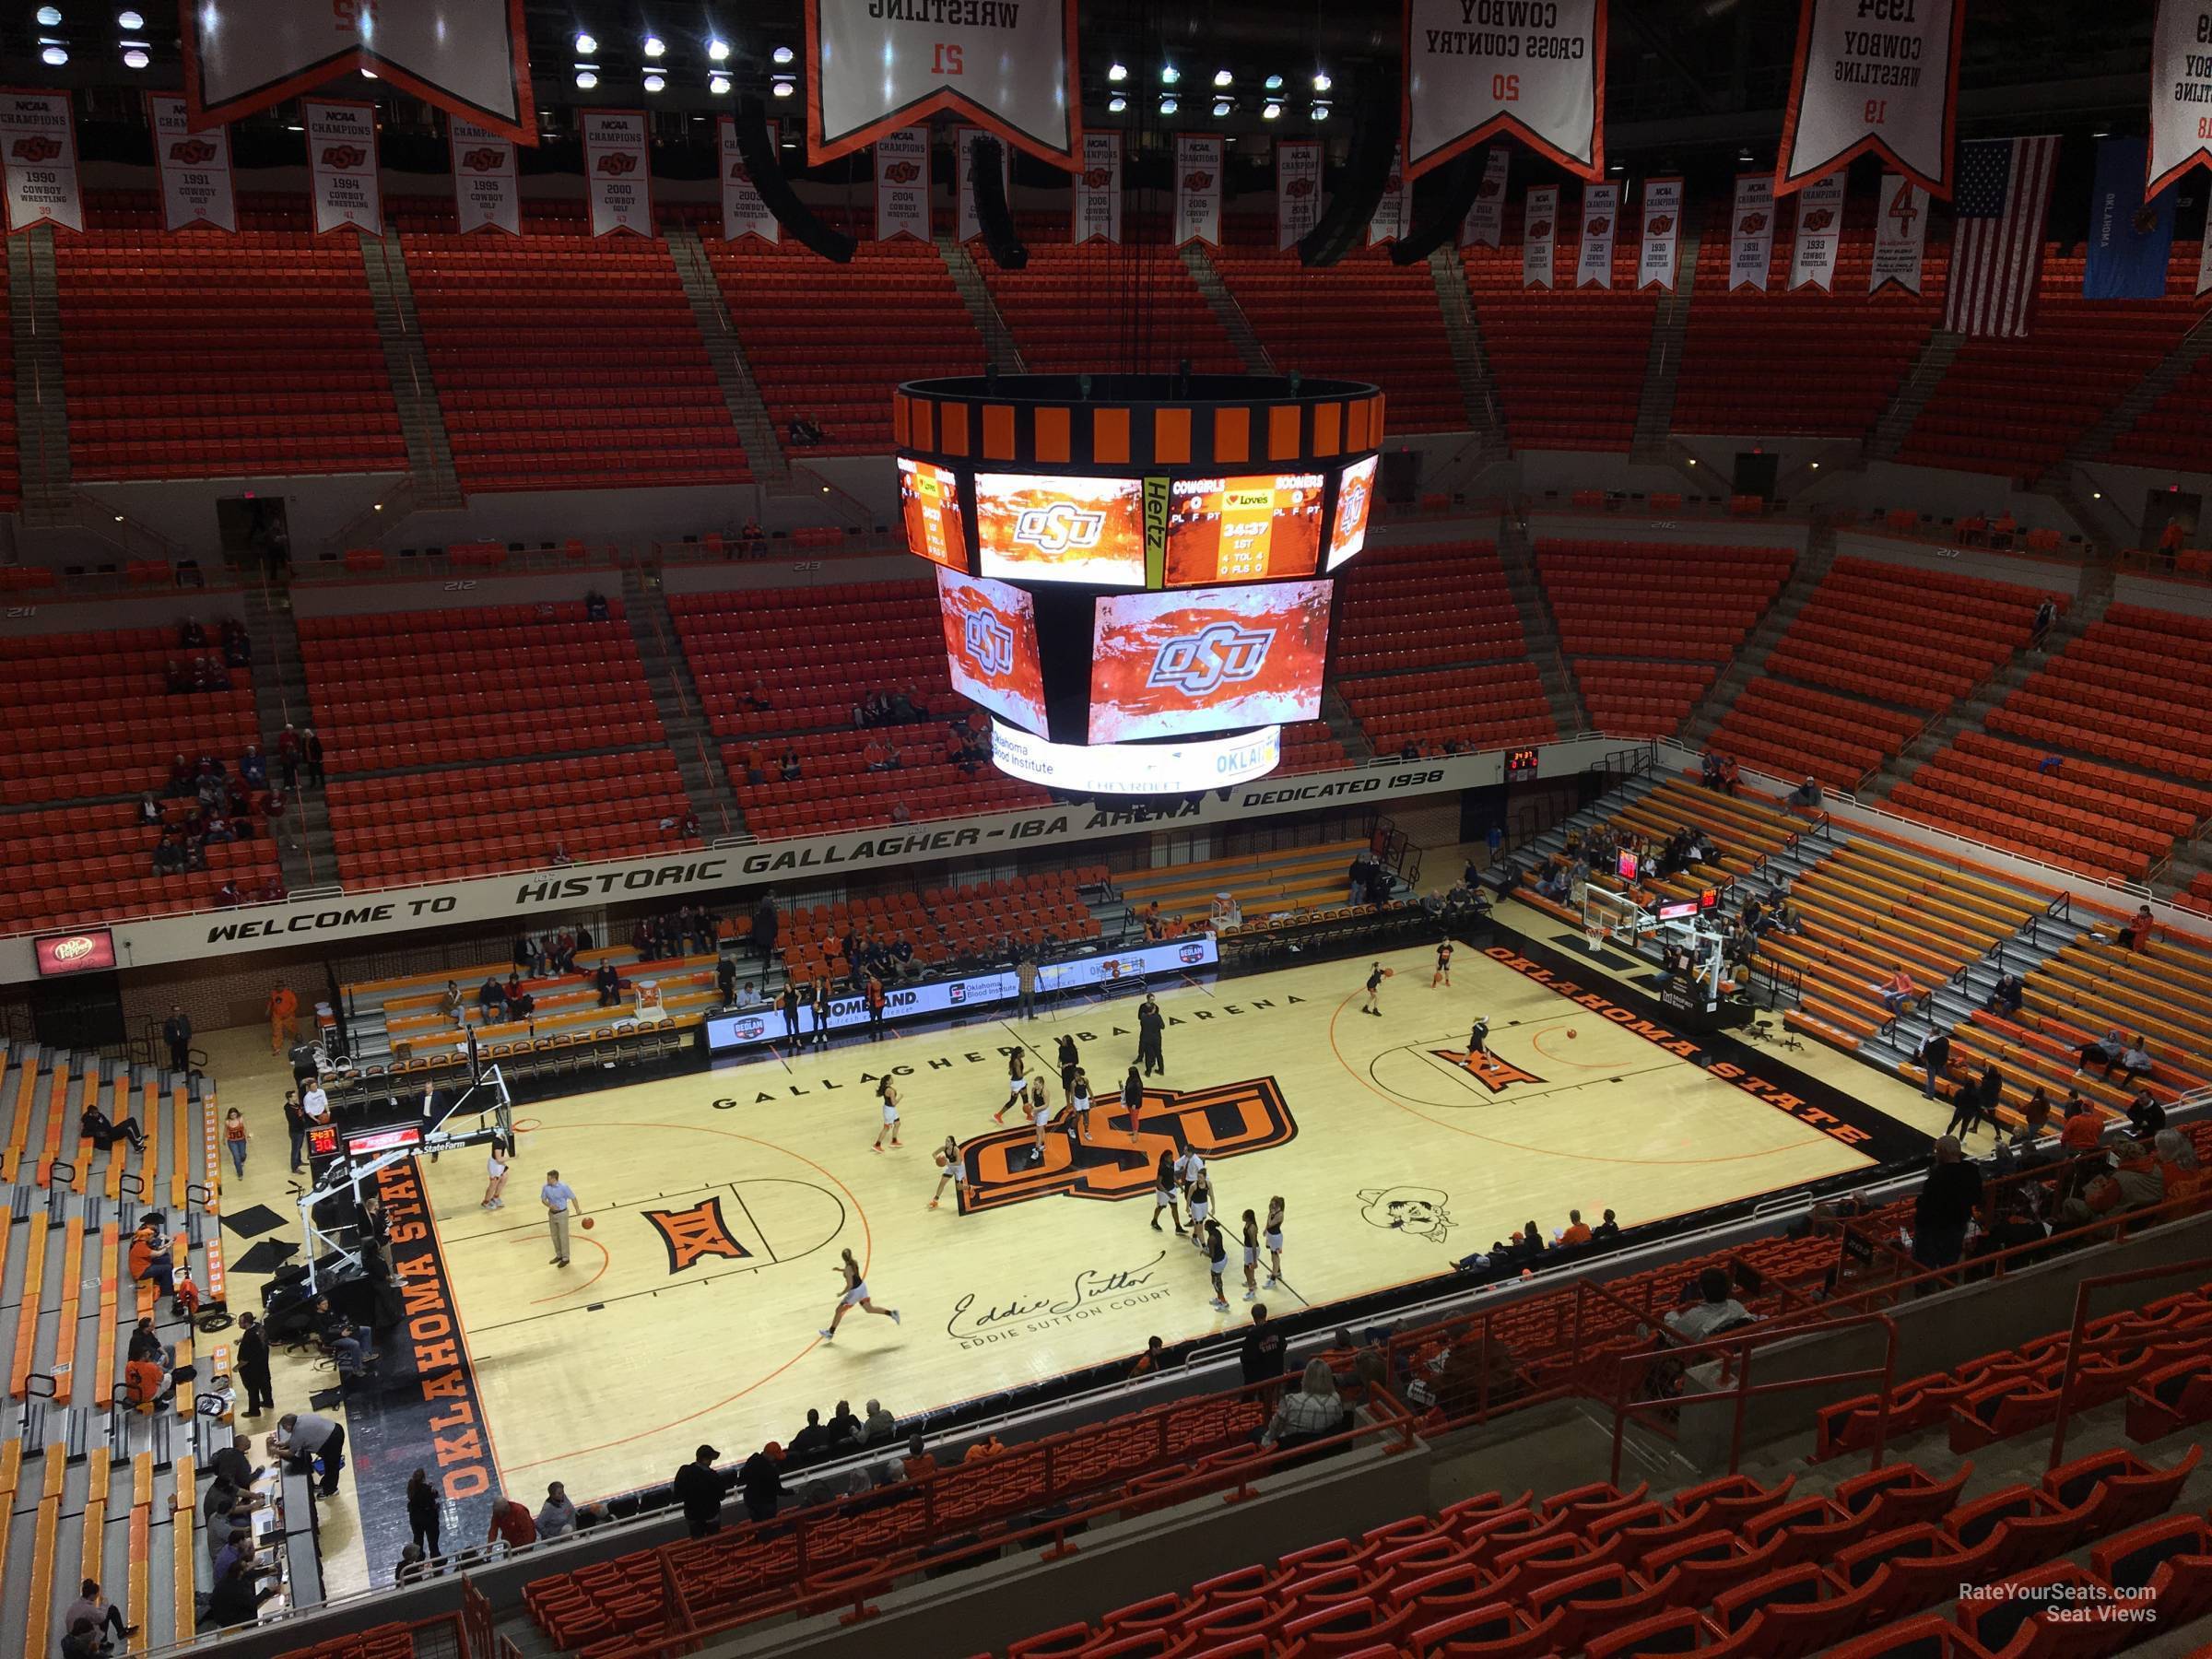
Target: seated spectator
pixel 556 1516
pixel 1899 992
pixel 804 433
pixel 182 778
pixel 238 645
pixel 95 1127
pixel 190 634
pixel 558 858
pixel 878 1425
pixel 227 894
pixel 2146 1117
pixel 510 1525
pixel 2135 936
pixel 1553 884
pixel 752 538
pixel 1313 1411
pixel 787 765
pixel 1808 796
pixel 147 1385
pixel 2178 1164
pixel 2106 1051
pixel 2006 995
pixel 149 809
pixel 609 984
pixel 2133 1182
pixel 2083 1127
pixel 2134 1059
pixel 1715 1311
pixel 594 606
pixel 919 1464
pixel 151 1260
pixel 491 997
pixel 1575 1231
pixel 1605 1230
pixel 254 767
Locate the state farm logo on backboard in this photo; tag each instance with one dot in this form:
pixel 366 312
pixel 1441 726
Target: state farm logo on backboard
pixel 36 146
pixel 1059 528
pixel 988 642
pixel 191 152
pixel 1217 654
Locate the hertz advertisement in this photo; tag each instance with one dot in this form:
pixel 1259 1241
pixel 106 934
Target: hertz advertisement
pixel 930 499
pixel 1206 660
pixel 1244 529
pixel 1036 528
pixel 991 646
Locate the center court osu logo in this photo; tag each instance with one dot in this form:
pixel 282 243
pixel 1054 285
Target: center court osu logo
pixel 1119 1160
pixel 37 148
pixel 1060 528
pixel 1219 653
pixel 191 152
pixel 695 1234
pixel 989 642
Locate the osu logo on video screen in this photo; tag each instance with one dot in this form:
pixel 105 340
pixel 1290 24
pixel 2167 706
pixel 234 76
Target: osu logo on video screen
pixel 1060 528
pixel 1218 653
pixel 1118 1161
pixel 989 642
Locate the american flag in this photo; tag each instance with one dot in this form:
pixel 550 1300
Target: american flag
pixel 1998 247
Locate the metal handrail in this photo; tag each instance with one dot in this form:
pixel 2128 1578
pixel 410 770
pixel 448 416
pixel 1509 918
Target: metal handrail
pixel 2077 1348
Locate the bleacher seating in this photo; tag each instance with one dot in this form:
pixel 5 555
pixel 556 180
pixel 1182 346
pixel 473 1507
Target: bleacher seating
pixel 829 342
pixel 1647 626
pixel 1265 885
pixel 2012 406
pixel 1071 309
pixel 589 371
pixel 2171 431
pixel 944 924
pixel 1568 362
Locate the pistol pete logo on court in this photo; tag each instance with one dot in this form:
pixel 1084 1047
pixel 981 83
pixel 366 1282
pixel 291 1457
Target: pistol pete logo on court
pixel 695 1234
pixel 1119 1161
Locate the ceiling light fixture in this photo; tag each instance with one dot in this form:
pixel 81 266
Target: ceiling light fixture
pixel 1271 110
pixel 1167 106
pixel 1116 104
pixel 130 20
pixel 1321 112
pixel 367 73
pixel 1275 82
pixel 654 46
pixel 783 55
pixel 1223 77
pixel 1322 82
pixel 718 50
pixel 1169 74
pixel 50 16
pixel 585 44
pixel 1117 72
pixel 56 56
pixel 719 84
pixel 586 77
pixel 1222 107
pixel 654 80
pixel 136 57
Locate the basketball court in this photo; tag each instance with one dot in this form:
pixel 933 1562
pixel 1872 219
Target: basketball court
pixel 720 1201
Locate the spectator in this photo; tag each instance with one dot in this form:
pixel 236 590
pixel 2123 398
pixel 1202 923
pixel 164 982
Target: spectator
pixel 150 1262
pixel 1948 1200
pixel 761 1478
pixel 412 1567
pixel 1605 1230
pixel 81 1639
pixel 288 757
pixel 1808 796
pixel 1716 1309
pixel 700 1487
pixel 2006 995
pixel 810 1445
pixel 556 1516
pixel 491 998
pixel 234 1600
pixel 918 1463
pixel 594 606
pixel 2135 936
pixel 2146 1117
pixel 1260 1357
pixel 2106 1051
pixel 254 767
pixel 804 433
pixel 176 1031
pixel 1575 1231
pixel 1934 1057
pixel 2178 1164
pixel 1900 991
pixel 2134 1059
pixel 609 984
pixel 235 1462
pixel 311 758
pixel 451 1003
pixel 558 858
pixel 94 1125
pixel 91 1604
pixel 1313 1411
pixel 844 1428
pixel 2133 1182
pixel 2035 1120
pixel 879 1425
pixel 510 1525
pixel 2046 615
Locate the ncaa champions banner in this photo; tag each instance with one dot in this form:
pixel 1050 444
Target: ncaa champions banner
pixel 1534 68
pixel 1198 189
pixel 902 184
pixel 1099 190
pixel 1539 231
pixel 1751 233
pixel 618 169
pixel 742 211
pixel 1389 221
pixel 1901 235
pixel 1662 233
pixel 1601 209
pixel 963 139
pixel 41 160
pixel 1297 189
pixel 487 195
pixel 195 167
pixel 880 65
pixel 1819 234
pixel 341 159
pixel 1485 224
pixel 469 58
pixel 1873 76
pixel 2181 93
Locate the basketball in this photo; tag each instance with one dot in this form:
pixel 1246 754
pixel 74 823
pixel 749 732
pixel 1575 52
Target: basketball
pixel 1571 1033
pixel 1389 973
pixel 587 1220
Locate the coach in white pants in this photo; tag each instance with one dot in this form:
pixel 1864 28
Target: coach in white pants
pixel 559 1200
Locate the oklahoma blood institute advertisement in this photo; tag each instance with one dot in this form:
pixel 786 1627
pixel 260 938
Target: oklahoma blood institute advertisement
pixel 1163 665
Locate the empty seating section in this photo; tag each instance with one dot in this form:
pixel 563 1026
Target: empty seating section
pixel 944 924
pixel 1074 308
pixel 202 353
pixel 2012 406
pixel 766 647
pixel 1567 362
pixel 2171 431
pixel 1877 651
pixel 1647 626
pixel 1263 884
pixel 85 718
pixel 11 460
pixel 829 342
pixel 1362 318
pixel 1442 609
pixel 589 371
pixel 1803 362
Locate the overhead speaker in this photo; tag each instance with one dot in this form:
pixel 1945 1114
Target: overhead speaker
pixel 794 215
pixel 993 217
pixel 1447 212
pixel 1360 191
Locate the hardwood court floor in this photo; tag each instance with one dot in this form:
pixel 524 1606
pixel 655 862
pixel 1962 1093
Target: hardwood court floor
pixel 721 1201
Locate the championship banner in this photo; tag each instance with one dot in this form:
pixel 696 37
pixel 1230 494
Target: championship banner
pixel 964 137
pixel 1601 209
pixel 468 57
pixel 1297 189
pixel 1485 224
pixel 1901 235
pixel 1877 76
pixel 1479 67
pixel 1389 221
pixel 742 211
pixel 1198 189
pixel 194 167
pixel 341 159
pixel 2181 93
pixel 1662 233
pixel 2204 261
pixel 902 184
pixel 1819 234
pixel 1099 190
pixel 618 170
pixel 1751 233
pixel 41 160
pixel 488 194
pixel 882 66
pixel 1539 231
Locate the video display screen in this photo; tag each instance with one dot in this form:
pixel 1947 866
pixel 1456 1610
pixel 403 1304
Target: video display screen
pixel 1032 528
pixel 929 497
pixel 990 645
pixel 1355 496
pixel 1244 529
pixel 89 950
pixel 1206 660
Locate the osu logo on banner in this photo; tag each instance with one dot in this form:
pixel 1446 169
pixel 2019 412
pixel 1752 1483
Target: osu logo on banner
pixel 990 642
pixel 191 152
pixel 1539 231
pixel 483 160
pixel 1218 653
pixel 1097 178
pixel 694 1234
pixel 1820 218
pixel 1599 226
pixel 344 157
pixel 1119 1161
pixel 1059 527
pixel 37 146
pixel 1199 180
pixel 1659 224
pixel 1753 224
pixel 902 173
pixel 619 162
pixel 1299 187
